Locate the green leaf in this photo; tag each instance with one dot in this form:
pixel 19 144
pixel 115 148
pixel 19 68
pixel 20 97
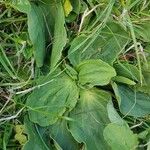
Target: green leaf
pixel 76 5
pixel 143 30
pixel 132 102
pixel 113 41
pixel 36 137
pixel 113 114
pixel 71 72
pixel 79 55
pixel 95 72
pixel 45 20
pixel 120 137
pixel 145 88
pixel 128 71
pixel 48 102
pixel 60 133
pixel 21 5
pixel 67 7
pixel 90 118
pixel 5 62
pixel 60 35
pixel 107 46
pixel 121 79
pixel 36 29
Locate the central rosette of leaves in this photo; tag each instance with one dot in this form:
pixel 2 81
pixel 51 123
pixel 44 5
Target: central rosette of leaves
pixel 72 91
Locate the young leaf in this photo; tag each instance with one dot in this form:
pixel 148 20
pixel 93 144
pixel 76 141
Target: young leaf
pixel 132 102
pixel 95 72
pixel 60 35
pixel 120 137
pixel 47 103
pixel 90 118
pixel 20 136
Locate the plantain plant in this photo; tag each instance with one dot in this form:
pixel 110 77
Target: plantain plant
pixel 91 77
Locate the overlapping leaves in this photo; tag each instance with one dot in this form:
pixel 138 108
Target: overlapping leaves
pixel 62 93
pixel 90 119
pixel 107 46
pixel 70 105
pixel 45 24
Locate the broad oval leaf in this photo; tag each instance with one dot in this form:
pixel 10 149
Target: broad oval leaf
pixel 120 137
pixel 95 72
pixel 132 102
pixel 47 103
pixel 90 119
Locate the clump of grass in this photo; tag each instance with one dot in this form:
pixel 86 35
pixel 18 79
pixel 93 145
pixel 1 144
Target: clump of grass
pixel 16 71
